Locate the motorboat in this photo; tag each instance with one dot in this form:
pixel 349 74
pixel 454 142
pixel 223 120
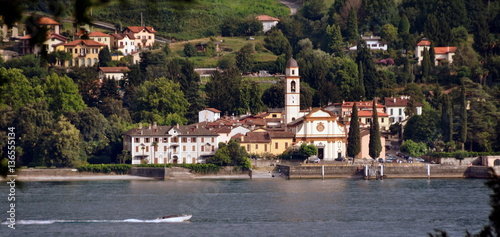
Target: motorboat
pixel 175 218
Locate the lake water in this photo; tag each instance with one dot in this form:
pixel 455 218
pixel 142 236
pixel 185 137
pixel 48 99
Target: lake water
pixel 258 207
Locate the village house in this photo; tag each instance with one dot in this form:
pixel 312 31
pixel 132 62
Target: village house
pixel 53 38
pixel 365 118
pixel 144 35
pixel 443 55
pixel 262 142
pixel 117 73
pixel 208 115
pixel 268 22
pixel 85 52
pixel 365 142
pixel 396 106
pixel 101 38
pixel 125 43
pixel 372 42
pixel 170 144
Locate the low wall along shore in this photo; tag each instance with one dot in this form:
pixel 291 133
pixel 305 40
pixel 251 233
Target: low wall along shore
pixel 392 172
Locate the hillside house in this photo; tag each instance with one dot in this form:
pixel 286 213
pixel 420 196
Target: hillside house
pixel 208 115
pixel 101 38
pixel 268 22
pixel 125 43
pixel 372 42
pixel 396 106
pixel 53 38
pixel 443 55
pixel 84 52
pixel 262 142
pixel 117 73
pixel 144 35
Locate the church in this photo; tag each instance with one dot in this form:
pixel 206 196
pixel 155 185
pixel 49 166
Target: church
pixel 319 126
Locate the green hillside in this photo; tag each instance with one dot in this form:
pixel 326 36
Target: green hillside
pixel 195 19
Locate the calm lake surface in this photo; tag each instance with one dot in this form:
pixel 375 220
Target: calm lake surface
pixel 259 207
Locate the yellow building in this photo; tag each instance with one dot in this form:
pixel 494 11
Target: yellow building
pixel 262 142
pixel 85 52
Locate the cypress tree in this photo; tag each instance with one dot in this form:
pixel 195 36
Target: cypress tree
pixel 426 64
pixel 104 57
pixel 375 146
pixel 353 138
pixel 361 81
pixel 447 119
pixel 404 25
pixel 352 26
pixel 462 133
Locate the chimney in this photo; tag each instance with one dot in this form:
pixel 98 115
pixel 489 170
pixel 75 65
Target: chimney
pixel 177 125
pixel 140 125
pixel 149 126
pixel 155 127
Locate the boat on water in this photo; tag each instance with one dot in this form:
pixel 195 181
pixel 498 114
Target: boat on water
pixel 175 218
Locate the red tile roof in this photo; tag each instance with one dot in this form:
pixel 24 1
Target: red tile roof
pixel 98 34
pixel 87 42
pixel 362 104
pixel 58 36
pixel 114 69
pixel 367 113
pixel 137 29
pixel 398 102
pixel 444 50
pixel 213 110
pixel 47 21
pixel 424 42
pixel 267 18
pixel 122 36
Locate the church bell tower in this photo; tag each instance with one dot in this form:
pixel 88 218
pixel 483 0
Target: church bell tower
pixel 292 91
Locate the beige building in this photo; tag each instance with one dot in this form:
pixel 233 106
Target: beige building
pixel 84 52
pixel 365 142
pixel 101 38
pixel 144 35
pixel 443 55
pixel 262 142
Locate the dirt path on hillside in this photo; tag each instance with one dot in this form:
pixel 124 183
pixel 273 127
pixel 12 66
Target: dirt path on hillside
pixel 292 4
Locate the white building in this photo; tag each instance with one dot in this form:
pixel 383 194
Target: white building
pixel 125 43
pixel 319 127
pixel 208 115
pixel 441 54
pixel 144 35
pixel 267 22
pixel 395 107
pixel 372 42
pixel 117 73
pixel 170 144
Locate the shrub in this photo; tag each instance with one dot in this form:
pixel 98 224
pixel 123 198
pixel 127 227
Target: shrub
pixel 106 168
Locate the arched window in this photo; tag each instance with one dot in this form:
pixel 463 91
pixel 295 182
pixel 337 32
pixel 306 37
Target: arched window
pixel 89 62
pixel 292 85
pixel 497 162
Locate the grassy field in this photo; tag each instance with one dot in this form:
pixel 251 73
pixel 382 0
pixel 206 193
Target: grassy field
pixel 229 45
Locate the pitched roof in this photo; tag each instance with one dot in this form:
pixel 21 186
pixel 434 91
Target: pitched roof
pixel 98 34
pixel 87 42
pixel 113 69
pixel 187 130
pixel 424 42
pixel 122 36
pixel 47 21
pixel 213 110
pixel 137 29
pixel 361 104
pixel 267 18
pixel 58 36
pixel 281 134
pixel 368 113
pixel 444 50
pixel 398 102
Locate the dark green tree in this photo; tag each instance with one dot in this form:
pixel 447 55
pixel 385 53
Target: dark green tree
pixel 446 118
pixel 352 27
pixel 375 145
pixel 62 95
pixel 109 89
pixel 189 50
pixel 369 72
pixel 354 138
pixel 333 40
pixel 404 25
pixel 462 132
pixel 273 97
pixel 277 43
pixel 223 90
pixel 104 57
pixel 426 65
pixel 313 9
pixel 245 58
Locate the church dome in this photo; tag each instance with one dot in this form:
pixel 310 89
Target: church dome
pixel 291 63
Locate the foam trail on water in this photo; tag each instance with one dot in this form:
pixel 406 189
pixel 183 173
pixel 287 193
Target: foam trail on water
pixel 48 222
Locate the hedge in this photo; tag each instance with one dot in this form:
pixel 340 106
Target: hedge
pixel 196 168
pixel 468 154
pixel 106 168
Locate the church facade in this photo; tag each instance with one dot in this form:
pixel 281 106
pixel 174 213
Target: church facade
pixel 319 127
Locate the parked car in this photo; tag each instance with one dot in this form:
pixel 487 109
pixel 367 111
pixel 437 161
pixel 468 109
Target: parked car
pixel 340 159
pixel 380 160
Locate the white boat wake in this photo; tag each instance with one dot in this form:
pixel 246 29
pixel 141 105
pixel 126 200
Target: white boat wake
pixel 48 222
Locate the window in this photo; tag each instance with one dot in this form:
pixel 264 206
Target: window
pixel 265 147
pixel 164 148
pixel 89 62
pixel 156 148
pixel 202 139
pixel 183 148
pixel 292 85
pixel 391 120
pixel 382 120
pixel 274 115
pixel 392 112
pixel 213 139
pixel 286 144
pixel 202 148
pixel 137 140
pixel 193 161
pixel 136 149
pixel 368 120
pixel 165 140
pixel 193 148
pixel 147 149
pixel 275 145
pixel 156 139
pixel 193 139
pixel 248 147
pixel 184 139
pixel 496 162
pixel 293 72
pixel 175 139
pixel 147 139
pixel 400 112
pixel 213 148
pixel 256 146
